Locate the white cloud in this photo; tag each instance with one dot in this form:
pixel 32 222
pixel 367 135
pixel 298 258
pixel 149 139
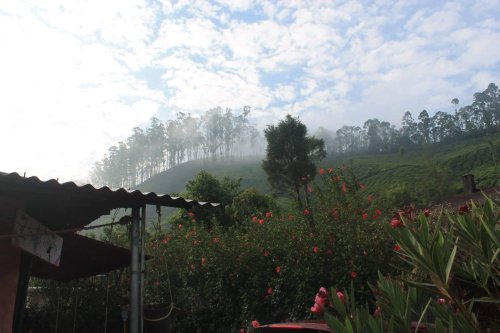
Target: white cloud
pixel 70 70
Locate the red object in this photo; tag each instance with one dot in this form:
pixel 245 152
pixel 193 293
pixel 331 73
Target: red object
pixel 269 214
pixel 311 326
pixel 341 296
pixel 315 249
pixel 255 324
pixel 397 247
pixel 344 187
pixel 278 269
pixel 396 223
pixel 261 221
pixel 321 171
pixel 269 291
pixel 307 212
pixel 354 274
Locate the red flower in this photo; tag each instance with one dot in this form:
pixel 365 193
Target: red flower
pixel 341 296
pixel 396 223
pixel 266 254
pixel 315 249
pixel 365 216
pixel 254 219
pixel 377 312
pixel 378 212
pixel 427 212
pixel 261 221
pixel 307 212
pixel 255 324
pixel 463 209
pixel 441 301
pixel 344 187
pixel 278 269
pixel 397 247
pixel 321 171
pixel 269 214
pixel 269 291
pixel 354 274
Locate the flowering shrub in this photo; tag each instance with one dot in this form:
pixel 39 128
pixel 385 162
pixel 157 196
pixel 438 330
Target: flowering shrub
pixel 268 264
pixel 451 281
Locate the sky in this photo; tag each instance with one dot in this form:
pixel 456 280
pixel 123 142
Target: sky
pixel 77 76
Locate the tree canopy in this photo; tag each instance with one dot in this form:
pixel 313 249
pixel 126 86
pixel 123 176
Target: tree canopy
pixel 291 156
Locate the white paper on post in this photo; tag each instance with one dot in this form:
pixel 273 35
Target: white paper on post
pixel 36 239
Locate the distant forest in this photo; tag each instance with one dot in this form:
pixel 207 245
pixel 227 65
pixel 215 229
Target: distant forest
pixel 220 134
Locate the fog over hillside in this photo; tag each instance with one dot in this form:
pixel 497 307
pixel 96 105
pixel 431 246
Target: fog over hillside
pixel 78 77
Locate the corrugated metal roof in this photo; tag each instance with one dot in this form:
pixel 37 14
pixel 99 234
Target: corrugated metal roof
pixel 68 205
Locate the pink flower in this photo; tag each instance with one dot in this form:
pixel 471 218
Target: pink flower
pixel 255 324
pixel 242 330
pixel 396 223
pixel 269 291
pixel 354 274
pixel 344 187
pixel 321 171
pixel 266 254
pixel 315 249
pixel 377 312
pixel 278 269
pixel 320 301
pixel 269 214
pixel 307 212
pixel 341 296
pixel 441 301
pixel 427 212
pixel 378 212
pixel 261 221
pixel 254 219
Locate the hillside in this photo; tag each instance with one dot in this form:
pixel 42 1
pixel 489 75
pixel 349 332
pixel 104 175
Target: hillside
pixel 438 166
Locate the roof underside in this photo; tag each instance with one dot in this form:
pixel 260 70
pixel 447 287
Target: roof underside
pixel 82 257
pixel 68 205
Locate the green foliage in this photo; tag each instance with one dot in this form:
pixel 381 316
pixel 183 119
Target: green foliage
pixel 451 282
pixel 268 266
pixel 291 156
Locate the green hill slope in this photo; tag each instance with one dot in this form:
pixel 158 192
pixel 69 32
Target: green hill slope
pixel 437 167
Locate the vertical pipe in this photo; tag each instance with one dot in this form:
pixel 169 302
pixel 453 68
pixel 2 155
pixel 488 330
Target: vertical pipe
pixel 143 265
pixel 134 272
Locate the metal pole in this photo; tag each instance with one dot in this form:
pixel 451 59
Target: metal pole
pixel 143 265
pixel 134 272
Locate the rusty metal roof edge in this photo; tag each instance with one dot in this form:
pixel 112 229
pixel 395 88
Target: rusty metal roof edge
pixel 146 196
